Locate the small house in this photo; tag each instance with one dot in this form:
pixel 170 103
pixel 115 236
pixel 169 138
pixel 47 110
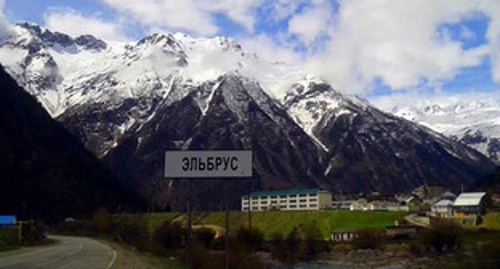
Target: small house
pixel 359 205
pixel 443 208
pixel 469 203
pixel 343 235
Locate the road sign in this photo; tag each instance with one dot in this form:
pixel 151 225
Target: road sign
pixel 208 164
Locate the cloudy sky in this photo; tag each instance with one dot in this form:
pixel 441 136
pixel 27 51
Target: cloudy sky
pixel 369 47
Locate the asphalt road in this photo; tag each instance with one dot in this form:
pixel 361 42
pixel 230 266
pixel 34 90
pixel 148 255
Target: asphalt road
pixel 70 253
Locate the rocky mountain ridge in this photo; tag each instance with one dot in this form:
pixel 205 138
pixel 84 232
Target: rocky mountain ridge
pixel 475 123
pixel 128 103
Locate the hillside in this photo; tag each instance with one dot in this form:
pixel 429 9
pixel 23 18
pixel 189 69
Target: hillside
pixel 45 173
pixel 284 221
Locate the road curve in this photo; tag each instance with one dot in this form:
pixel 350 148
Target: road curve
pixel 70 253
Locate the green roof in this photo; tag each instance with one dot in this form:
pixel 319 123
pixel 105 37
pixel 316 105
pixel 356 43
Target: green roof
pixel 283 192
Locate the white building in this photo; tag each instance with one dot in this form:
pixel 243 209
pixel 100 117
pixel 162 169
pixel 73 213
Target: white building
pixel 286 200
pixel 443 208
pixel 469 203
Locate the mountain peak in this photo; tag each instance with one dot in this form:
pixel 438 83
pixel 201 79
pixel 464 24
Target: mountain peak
pixel 50 39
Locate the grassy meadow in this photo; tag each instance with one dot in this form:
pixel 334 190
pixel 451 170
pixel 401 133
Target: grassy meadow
pixel 284 221
pixel 491 221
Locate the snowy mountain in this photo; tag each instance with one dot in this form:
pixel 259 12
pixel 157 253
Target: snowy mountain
pixel 475 123
pixel 73 76
pixel 129 102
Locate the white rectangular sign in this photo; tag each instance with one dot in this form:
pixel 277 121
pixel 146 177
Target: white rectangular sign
pixel 208 164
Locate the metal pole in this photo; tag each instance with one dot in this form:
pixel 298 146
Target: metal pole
pixel 249 204
pixel 188 228
pixel 227 223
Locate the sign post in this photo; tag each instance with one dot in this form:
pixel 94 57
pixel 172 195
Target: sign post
pixel 206 165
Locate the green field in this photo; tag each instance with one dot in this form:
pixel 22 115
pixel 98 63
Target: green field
pixel 491 221
pixel 285 221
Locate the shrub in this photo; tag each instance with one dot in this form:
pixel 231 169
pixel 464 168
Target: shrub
pixel 251 239
pixel 286 249
pixel 9 237
pixel 102 222
pixel 312 241
pixel 368 238
pixel 204 235
pixel 132 231
pixel 169 235
pixel 442 236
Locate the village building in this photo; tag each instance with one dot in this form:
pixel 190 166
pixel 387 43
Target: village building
pixel 287 200
pixel 342 205
pixel 343 235
pixel 359 205
pixel 443 208
pixel 469 203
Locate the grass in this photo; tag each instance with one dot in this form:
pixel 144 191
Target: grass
pixel 284 221
pixel 8 238
pixel 491 221
pixel 156 219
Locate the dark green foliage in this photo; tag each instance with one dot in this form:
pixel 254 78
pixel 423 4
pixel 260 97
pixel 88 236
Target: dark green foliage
pixel 133 231
pixel 102 222
pixel 9 236
pixel 204 235
pixel 286 249
pixel 443 236
pixel 486 255
pixel 32 232
pixel 218 243
pixel 251 239
pixel 169 235
pixel 312 241
pixel 368 238
pixel 77 227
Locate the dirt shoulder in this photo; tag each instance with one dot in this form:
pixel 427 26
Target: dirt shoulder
pixel 129 258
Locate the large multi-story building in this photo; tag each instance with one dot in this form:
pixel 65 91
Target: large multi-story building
pixel 303 199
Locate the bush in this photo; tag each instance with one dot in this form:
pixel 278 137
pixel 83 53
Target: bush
pixel 9 237
pixel 443 236
pixel 132 231
pixel 368 238
pixel 169 235
pixel 312 241
pixel 251 239
pixel 32 232
pixel 102 222
pixel 286 249
pixel 204 235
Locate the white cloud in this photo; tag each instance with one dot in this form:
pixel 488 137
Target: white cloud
pixel 311 24
pixel 282 9
pixel 396 42
pixel 239 11
pixel 174 14
pixel 73 23
pixel 402 44
pixel 492 9
pixel 196 17
pixel 4 30
pixel 265 47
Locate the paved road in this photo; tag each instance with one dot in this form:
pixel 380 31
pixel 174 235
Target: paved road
pixel 70 253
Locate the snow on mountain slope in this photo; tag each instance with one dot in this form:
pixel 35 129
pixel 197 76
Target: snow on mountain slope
pixel 76 76
pixel 474 122
pixel 129 102
pixel 116 70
